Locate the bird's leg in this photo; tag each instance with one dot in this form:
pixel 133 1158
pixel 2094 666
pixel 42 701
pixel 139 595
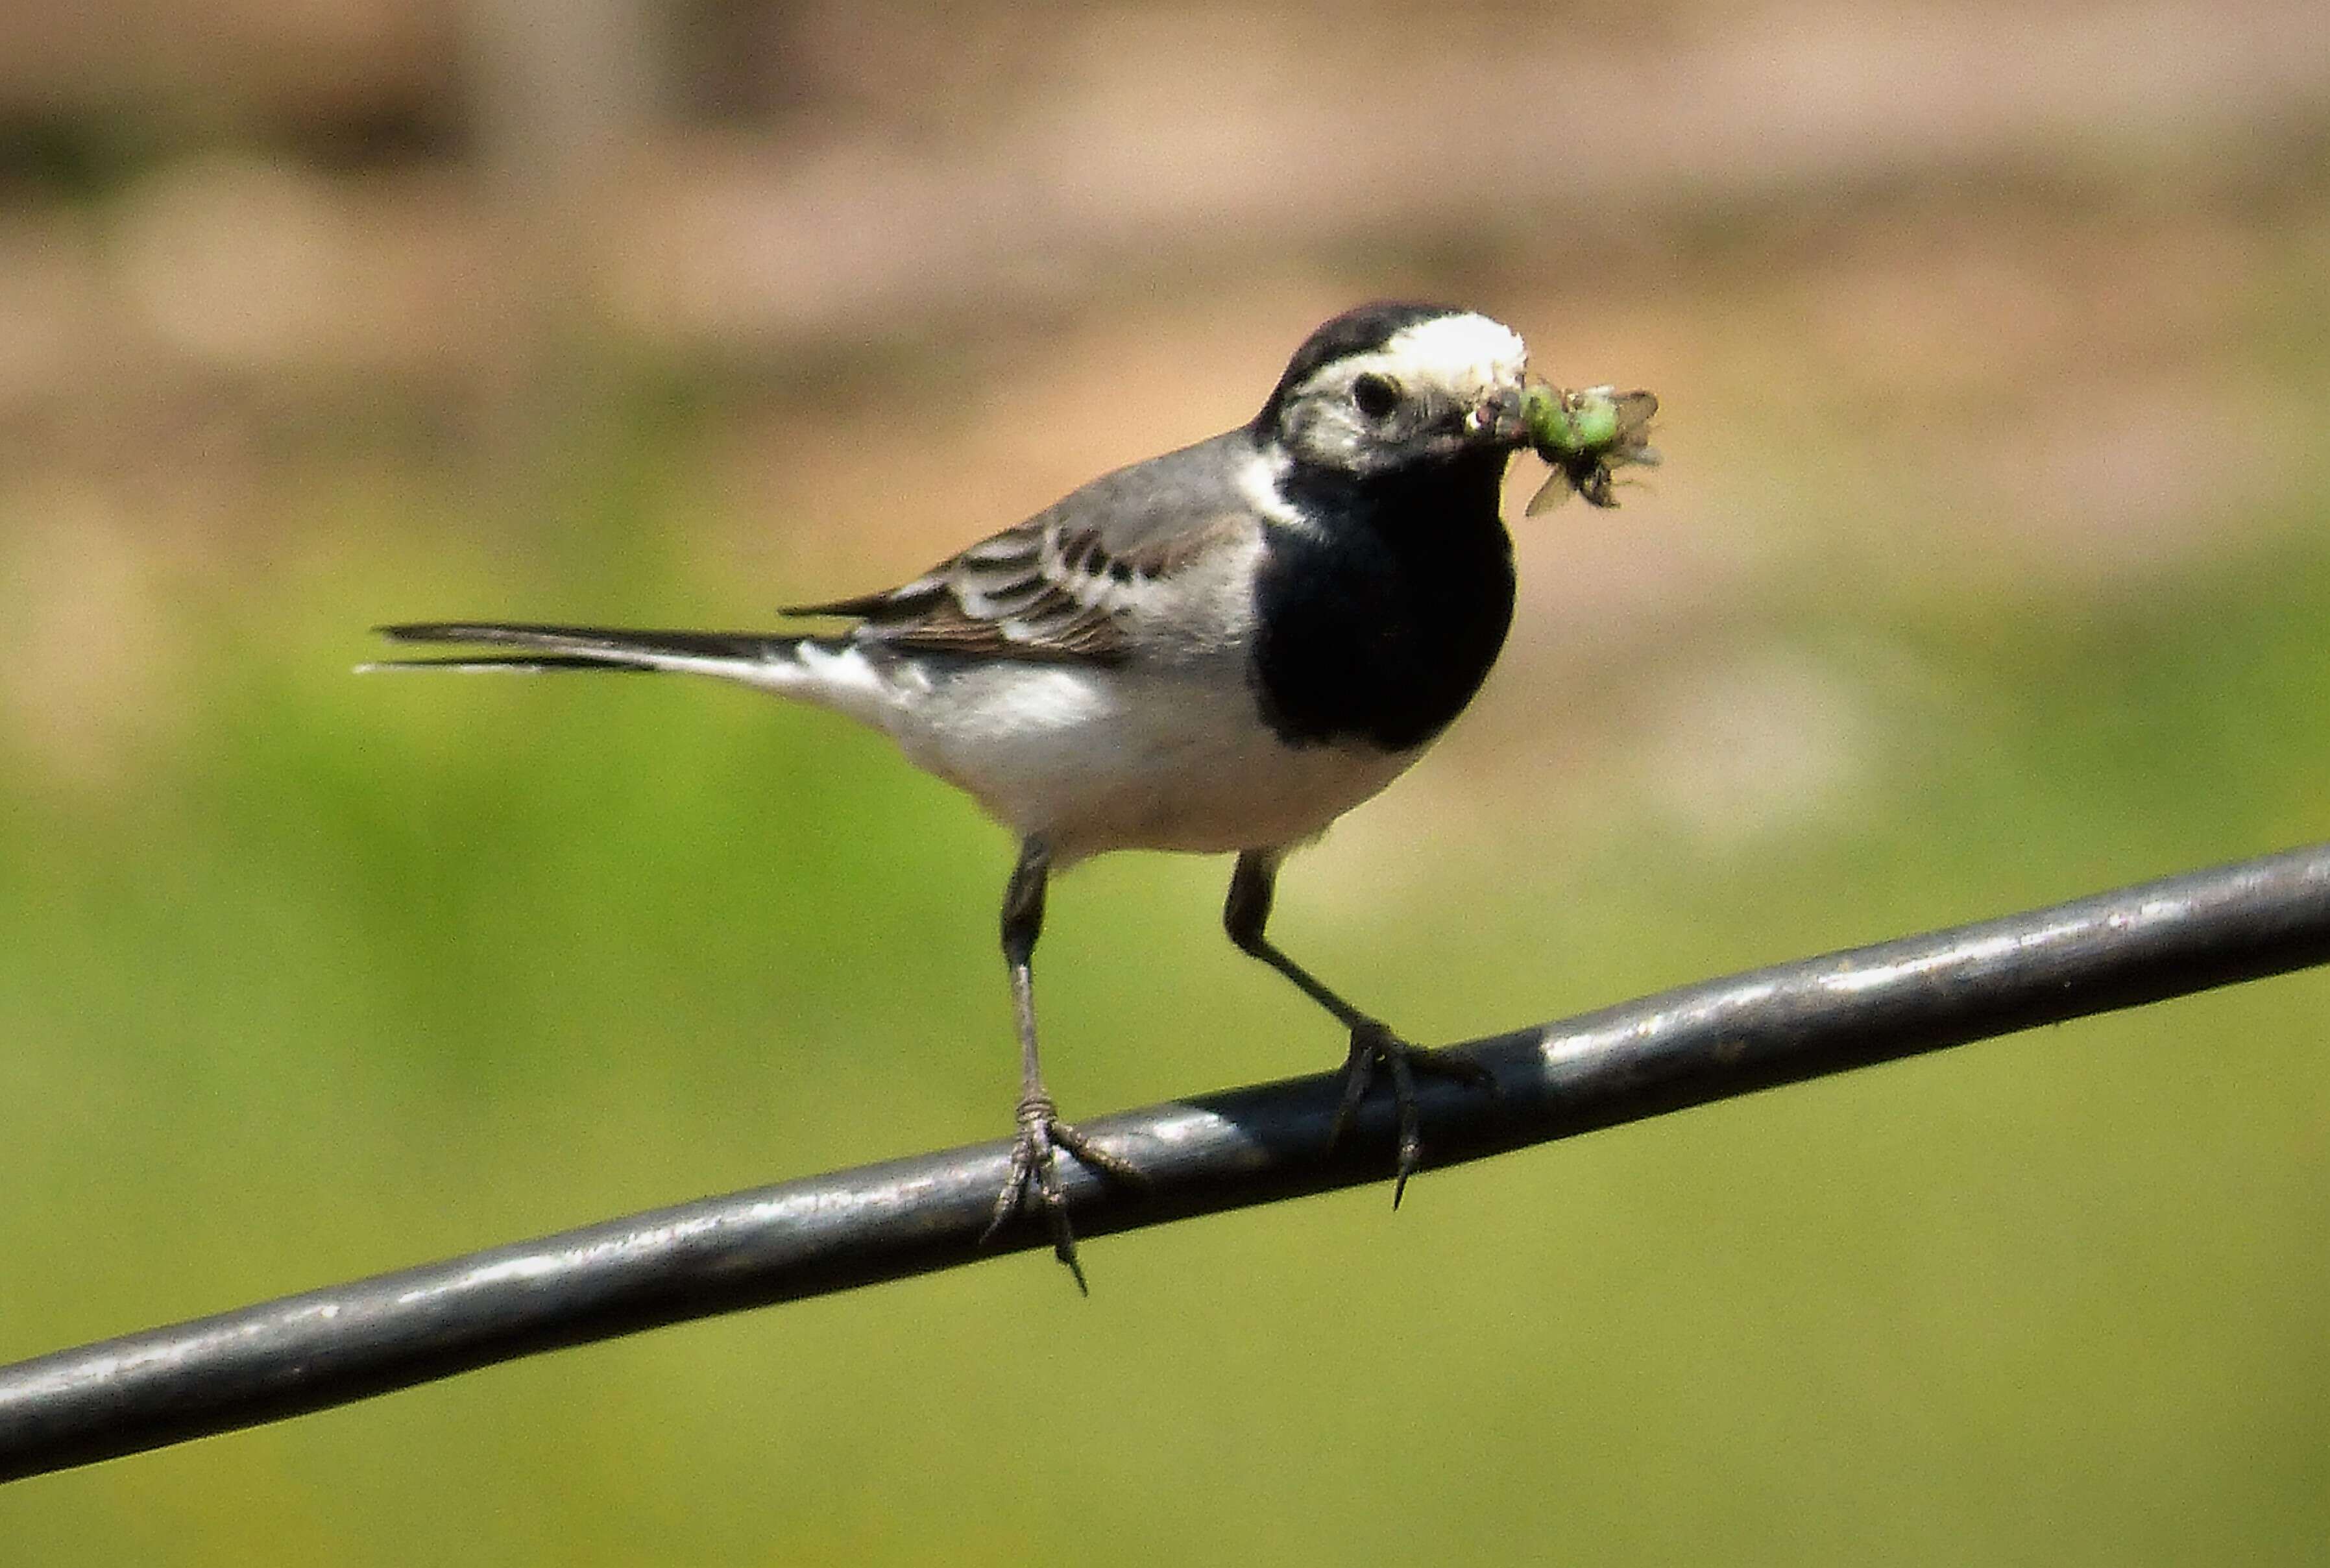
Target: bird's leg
pixel 1041 1131
pixel 1373 1045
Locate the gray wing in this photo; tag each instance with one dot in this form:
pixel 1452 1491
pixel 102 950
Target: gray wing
pixel 1065 583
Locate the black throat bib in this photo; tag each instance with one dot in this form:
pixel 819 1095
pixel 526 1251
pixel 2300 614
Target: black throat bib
pixel 1380 626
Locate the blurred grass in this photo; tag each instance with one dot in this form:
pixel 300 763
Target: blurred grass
pixel 339 975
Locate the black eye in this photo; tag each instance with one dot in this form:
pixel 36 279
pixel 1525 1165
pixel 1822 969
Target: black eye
pixel 1375 395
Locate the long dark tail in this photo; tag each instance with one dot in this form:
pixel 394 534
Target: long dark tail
pixel 832 672
pixel 738 655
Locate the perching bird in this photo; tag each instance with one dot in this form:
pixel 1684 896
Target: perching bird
pixel 1220 651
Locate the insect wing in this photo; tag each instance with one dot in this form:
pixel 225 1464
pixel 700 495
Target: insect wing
pixel 1551 494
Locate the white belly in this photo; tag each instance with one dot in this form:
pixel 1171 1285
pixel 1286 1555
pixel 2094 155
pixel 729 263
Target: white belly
pixel 1096 759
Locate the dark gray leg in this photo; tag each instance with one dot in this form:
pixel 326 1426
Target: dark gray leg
pixel 1041 1131
pixel 1373 1045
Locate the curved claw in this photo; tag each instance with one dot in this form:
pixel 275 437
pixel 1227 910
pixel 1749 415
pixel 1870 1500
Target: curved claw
pixel 1373 1045
pixel 1411 1137
pixel 1034 1169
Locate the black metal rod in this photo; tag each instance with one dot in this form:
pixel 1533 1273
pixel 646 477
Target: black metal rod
pixel 1684 1047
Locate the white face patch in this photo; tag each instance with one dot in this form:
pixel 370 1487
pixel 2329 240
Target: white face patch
pixel 1442 368
pixel 1454 359
pixel 1464 357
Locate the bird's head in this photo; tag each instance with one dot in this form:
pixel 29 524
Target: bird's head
pixel 1388 388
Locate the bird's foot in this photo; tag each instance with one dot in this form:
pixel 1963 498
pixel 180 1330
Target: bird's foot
pixel 1034 1176
pixel 1374 1046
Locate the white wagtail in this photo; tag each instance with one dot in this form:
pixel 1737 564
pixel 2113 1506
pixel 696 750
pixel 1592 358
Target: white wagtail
pixel 1220 651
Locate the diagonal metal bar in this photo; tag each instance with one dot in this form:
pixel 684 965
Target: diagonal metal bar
pixel 1684 1047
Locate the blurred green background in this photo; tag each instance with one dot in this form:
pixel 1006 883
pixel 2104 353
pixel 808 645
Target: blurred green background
pixel 1987 568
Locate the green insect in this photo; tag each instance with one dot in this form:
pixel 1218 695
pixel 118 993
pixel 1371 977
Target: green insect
pixel 1582 436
